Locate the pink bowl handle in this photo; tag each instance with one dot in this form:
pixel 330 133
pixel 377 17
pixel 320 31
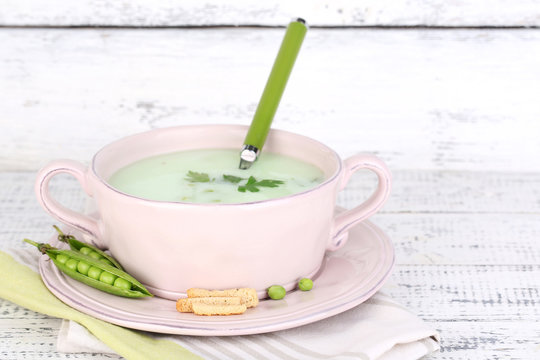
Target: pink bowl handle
pixel 61 213
pixel 345 220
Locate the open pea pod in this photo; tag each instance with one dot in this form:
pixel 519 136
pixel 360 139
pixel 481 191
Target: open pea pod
pixel 77 245
pixel 136 289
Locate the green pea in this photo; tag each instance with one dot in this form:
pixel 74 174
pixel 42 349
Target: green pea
pixel 72 264
pixel 305 284
pixel 276 292
pixel 122 283
pixel 95 255
pixel 94 272
pixel 83 267
pixel 62 258
pixel 100 275
pixel 106 261
pixel 85 250
pixel 107 278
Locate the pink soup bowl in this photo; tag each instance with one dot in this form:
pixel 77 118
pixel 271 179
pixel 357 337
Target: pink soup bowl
pixel 173 246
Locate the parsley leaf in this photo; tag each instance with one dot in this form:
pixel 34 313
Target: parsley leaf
pixel 249 185
pixel 232 179
pixel 270 183
pixel 253 185
pixel 193 176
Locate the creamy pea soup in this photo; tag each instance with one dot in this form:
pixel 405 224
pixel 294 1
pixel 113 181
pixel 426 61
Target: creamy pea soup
pixel 213 176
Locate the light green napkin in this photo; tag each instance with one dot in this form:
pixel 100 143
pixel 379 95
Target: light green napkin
pixel 23 286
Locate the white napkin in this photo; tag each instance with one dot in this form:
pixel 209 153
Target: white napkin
pixel 377 329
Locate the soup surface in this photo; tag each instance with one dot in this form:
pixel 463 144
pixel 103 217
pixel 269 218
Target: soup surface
pixel 213 176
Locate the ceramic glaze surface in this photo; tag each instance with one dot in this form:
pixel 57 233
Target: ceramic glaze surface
pixel 347 277
pixel 171 246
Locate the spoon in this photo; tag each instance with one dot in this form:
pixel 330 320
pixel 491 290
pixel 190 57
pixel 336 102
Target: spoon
pixel 271 96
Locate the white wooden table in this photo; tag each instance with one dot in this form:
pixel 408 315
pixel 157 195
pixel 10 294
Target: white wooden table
pixel 445 93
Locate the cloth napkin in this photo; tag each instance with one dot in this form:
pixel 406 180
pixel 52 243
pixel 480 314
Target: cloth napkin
pixel 379 329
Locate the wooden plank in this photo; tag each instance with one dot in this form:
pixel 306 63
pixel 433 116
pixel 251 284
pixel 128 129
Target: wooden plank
pixel 488 340
pixel 474 218
pixel 43 335
pixel 270 13
pixel 460 339
pixel 22 217
pixel 420 99
pixel 412 192
pixel 468 292
pixel 444 238
pixel 415 191
pixel 467 259
pixel 463 239
pixel 25 334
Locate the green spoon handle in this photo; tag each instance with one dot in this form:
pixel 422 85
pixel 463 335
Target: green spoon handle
pixel 276 83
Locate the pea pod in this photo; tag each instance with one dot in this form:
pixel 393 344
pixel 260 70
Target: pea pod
pixel 78 245
pixel 98 275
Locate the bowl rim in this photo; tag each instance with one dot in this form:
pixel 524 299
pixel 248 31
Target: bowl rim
pixel 305 193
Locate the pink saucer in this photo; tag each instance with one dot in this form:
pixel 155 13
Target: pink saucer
pixel 348 277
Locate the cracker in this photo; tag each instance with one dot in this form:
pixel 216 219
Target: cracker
pixel 186 304
pixel 248 295
pixel 200 308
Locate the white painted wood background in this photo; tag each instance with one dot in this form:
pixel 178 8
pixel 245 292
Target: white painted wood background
pixel 454 111
pixel 443 99
pixel 270 12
